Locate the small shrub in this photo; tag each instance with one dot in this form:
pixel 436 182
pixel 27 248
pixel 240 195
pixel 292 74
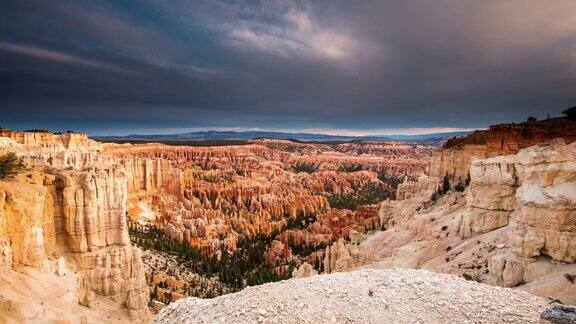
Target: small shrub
pixel 445 184
pixel 441 190
pixel 460 187
pixel 10 165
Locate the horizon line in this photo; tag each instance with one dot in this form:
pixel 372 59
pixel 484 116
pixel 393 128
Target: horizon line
pixel 344 132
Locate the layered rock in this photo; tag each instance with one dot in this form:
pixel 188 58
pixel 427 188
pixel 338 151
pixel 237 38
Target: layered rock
pixel 93 208
pixel 67 150
pixel 455 161
pixel 491 197
pixel 455 157
pixel 47 214
pixel 391 156
pixel 94 226
pixel 44 140
pixel 535 191
pixel 116 272
pixel 513 225
pixel 544 221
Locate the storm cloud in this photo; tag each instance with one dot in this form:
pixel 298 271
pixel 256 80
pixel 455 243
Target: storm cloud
pixel 366 66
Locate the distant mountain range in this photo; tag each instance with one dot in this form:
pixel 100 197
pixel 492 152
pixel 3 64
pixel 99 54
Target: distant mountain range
pixel 248 135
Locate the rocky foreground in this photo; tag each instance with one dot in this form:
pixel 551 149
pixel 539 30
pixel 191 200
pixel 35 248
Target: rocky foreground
pixel 366 296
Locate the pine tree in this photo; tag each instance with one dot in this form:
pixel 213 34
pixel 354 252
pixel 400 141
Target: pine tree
pixel 10 165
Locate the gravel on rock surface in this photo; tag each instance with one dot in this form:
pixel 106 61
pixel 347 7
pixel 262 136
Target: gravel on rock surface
pixel 363 296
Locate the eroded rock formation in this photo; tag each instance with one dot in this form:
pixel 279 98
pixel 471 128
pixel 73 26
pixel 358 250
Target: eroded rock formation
pixel 77 217
pixel 514 225
pixel 455 157
pixel 73 204
pixel 535 190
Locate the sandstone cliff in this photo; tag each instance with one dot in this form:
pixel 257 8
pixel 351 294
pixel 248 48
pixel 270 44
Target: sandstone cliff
pixel 455 157
pixel 79 217
pixel 514 225
pixel 70 219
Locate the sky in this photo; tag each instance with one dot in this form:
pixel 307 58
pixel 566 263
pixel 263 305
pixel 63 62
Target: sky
pixel 338 66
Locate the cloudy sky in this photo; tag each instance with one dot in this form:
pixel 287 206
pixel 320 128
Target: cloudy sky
pixel 339 66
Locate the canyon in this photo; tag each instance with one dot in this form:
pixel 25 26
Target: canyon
pixel 82 209
pixel 507 220
pixel 107 232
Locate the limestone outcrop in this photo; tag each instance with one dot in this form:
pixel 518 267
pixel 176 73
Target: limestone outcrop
pixel 93 208
pixel 455 161
pixel 423 186
pixel 21 224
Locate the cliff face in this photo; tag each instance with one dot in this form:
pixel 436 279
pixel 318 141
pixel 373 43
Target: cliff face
pixel 455 162
pixel 535 191
pixel 53 219
pixel 21 225
pixel 514 225
pixel 36 141
pixel 93 205
pixel 79 217
pixel 544 221
pixel 491 196
pixel 455 157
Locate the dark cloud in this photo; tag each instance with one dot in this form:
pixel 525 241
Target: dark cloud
pixel 359 65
